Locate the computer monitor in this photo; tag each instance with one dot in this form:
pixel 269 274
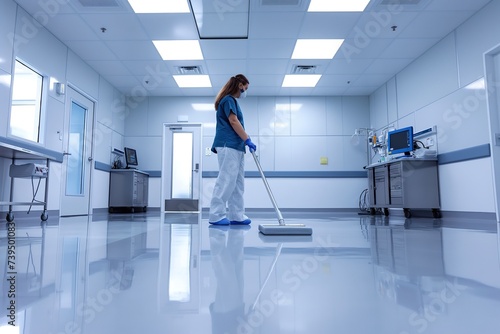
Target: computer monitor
pixel 400 141
pixel 130 157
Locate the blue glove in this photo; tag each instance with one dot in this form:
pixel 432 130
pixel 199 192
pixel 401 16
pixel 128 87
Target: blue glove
pixel 250 145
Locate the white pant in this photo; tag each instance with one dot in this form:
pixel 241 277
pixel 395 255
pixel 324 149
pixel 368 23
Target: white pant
pixel 229 186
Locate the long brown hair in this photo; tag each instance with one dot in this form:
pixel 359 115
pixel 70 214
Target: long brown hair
pixel 231 87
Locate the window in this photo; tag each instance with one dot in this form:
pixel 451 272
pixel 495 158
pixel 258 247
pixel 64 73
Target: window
pixel 26 103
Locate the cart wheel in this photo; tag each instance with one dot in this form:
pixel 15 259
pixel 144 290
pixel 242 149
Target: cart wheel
pixel 10 217
pixel 372 211
pixel 436 213
pixel 386 211
pixel 407 213
pixel 44 216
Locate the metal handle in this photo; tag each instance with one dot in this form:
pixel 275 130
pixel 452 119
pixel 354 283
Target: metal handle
pixel 90 159
pixel 66 153
pixel 196 168
pixel 278 212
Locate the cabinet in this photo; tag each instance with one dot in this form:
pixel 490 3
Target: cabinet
pixel 407 183
pixel 128 190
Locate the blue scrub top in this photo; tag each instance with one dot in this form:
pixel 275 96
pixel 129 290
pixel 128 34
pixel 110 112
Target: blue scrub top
pixel 225 136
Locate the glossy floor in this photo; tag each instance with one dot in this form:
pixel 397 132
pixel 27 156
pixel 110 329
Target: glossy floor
pixel 152 273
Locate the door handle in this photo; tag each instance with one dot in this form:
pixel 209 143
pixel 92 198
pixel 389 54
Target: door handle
pixel 196 168
pixel 66 153
pixel 90 159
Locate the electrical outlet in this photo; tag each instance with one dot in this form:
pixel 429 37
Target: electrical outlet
pixel 208 151
pixel 430 142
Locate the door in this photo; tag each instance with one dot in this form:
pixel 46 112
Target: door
pixel 77 164
pixel 181 171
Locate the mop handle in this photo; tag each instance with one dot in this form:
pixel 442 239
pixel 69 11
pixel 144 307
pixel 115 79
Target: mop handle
pixel 278 212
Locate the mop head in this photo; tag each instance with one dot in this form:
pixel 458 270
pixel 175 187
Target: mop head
pixel 287 229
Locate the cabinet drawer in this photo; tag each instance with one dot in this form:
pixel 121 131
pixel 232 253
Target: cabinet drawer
pixel 395 169
pixel 396 200
pixel 396 193
pixel 380 174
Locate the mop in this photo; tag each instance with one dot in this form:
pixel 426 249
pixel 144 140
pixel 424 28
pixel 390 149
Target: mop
pixel 281 228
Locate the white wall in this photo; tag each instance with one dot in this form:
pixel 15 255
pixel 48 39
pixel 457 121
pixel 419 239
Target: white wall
pixel 30 42
pixel 443 88
pixel 431 91
pixel 291 134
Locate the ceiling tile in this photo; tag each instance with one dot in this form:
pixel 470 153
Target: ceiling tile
pixel 408 48
pixel 275 25
pixel 328 25
pixel 372 51
pixel 91 50
pixel 270 48
pixel 108 67
pixel 362 49
pixel 80 31
pixel 434 24
pixel 268 66
pixel 169 26
pixel 224 49
pixel 134 50
pixel 348 66
pixel 388 65
pixel 219 66
pixel 119 27
pixel 152 68
pixel 456 5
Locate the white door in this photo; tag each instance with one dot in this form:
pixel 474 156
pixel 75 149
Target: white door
pixel 77 164
pixel 181 171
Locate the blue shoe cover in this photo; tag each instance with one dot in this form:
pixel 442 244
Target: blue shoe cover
pixel 223 221
pixel 243 222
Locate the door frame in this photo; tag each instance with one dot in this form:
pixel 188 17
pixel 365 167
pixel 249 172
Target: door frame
pixel 90 147
pixel 491 79
pixel 181 205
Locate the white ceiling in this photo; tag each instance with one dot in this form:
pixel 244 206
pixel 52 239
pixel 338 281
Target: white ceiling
pixel 371 54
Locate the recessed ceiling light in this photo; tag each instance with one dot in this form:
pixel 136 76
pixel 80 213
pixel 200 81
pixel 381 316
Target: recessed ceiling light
pixel 301 80
pixel 316 48
pixel 337 5
pixel 179 50
pixel 155 6
pixel 193 81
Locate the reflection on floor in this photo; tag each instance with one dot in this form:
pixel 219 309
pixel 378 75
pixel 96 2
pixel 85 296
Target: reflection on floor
pixel 173 273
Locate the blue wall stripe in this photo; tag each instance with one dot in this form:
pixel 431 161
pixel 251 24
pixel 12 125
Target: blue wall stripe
pixel 306 174
pixel 102 166
pixel 470 153
pixel 29 148
pixel 476 152
pixel 153 173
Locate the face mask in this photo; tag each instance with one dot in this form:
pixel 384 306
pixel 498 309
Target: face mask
pixel 243 93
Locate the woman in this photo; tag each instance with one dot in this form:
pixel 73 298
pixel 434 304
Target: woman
pixel 229 145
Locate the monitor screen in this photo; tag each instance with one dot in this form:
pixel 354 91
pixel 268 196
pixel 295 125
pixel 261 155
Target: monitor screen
pixel 400 141
pixel 130 157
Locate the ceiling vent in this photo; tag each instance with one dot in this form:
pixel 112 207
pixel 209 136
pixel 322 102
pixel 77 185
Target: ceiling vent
pixel 280 2
pixel 98 3
pixel 304 69
pixel 189 70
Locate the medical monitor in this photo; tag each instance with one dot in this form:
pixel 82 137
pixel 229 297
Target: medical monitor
pixel 130 157
pixel 400 141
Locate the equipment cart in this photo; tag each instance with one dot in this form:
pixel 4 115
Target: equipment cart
pixel 28 171
pixel 407 183
pixel 35 165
